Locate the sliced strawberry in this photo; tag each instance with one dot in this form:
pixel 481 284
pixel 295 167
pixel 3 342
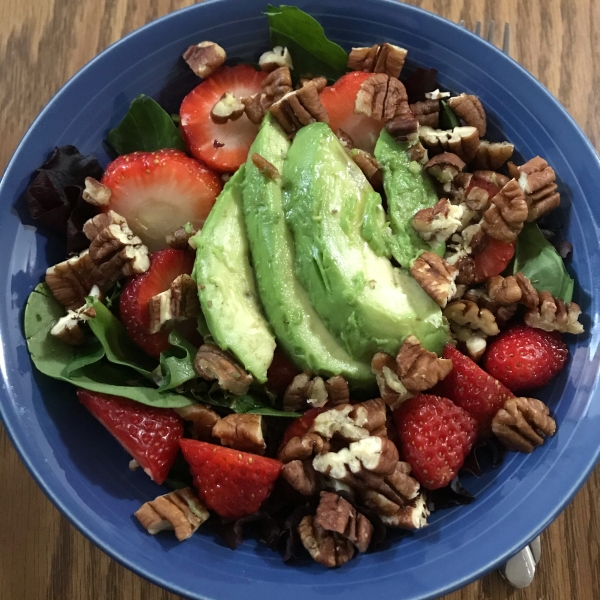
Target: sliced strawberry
pixel 339 100
pixel 298 427
pixel 491 188
pixel 281 372
pixel 471 388
pixel 151 435
pixel 165 266
pixel 232 483
pixel 223 147
pixel 492 258
pixel 158 192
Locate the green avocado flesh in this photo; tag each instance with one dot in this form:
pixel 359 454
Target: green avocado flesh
pixel 297 326
pixel 226 284
pixel 408 189
pixel 367 303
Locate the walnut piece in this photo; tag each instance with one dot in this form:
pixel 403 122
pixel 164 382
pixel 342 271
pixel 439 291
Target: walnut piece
pixel 328 548
pixel 204 58
pixel 180 510
pixel 522 424
pixel 274 87
pixel 67 329
pixel 203 420
pixel 418 368
pixel 96 193
pixel 383 98
pixel 301 476
pixel 266 168
pixel 435 276
pixel 552 314
pixel 385 58
pixel 462 141
pixel 212 363
pixel 492 155
pixel 369 165
pixel 504 218
pixel 438 223
pixel 392 391
pixel 298 108
pixel 470 110
pixel 242 432
pixel 427 112
pixel 538 181
pixel 178 303
pixel 227 108
pixel 273 59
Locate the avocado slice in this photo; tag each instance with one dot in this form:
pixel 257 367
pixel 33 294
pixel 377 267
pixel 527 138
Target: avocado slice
pixel 370 305
pixel 226 284
pixel 408 188
pixel 297 326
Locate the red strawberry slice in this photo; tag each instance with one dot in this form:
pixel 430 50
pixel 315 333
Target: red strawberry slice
pixel 471 388
pixel 158 192
pixel 165 266
pixel 151 435
pixel 232 483
pixel 339 100
pixel 298 427
pixel 492 258
pixel 523 358
pixel 223 147
pixel 435 437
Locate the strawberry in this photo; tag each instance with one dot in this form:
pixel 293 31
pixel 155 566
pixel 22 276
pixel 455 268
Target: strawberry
pixel 523 357
pixel 491 188
pixel 298 427
pixel 492 259
pixel 223 147
pixel 158 192
pixel 151 435
pixel 232 483
pixel 471 388
pixel 339 99
pixel 435 437
pixel 165 266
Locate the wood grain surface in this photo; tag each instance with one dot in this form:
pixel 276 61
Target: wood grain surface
pixel 42 44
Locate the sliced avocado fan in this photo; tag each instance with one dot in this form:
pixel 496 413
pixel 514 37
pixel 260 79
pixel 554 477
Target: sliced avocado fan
pixel 226 284
pixel 366 302
pixel 297 326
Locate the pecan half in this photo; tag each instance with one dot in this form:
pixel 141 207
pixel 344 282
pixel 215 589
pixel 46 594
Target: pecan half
pixel 470 110
pixel 418 368
pixel 266 168
pixel 178 303
pixel 369 165
pixel 552 314
pixel 392 390
pixel 462 141
pixel 302 447
pixel 212 363
pixel 241 432
pixel 274 87
pixel 204 58
pixel 383 98
pixel 504 290
pixel 504 218
pixel 529 295
pixel 439 222
pixel 338 391
pixel 385 58
pixel 202 418
pixel 301 475
pixel 445 166
pixel 538 181
pixel 492 155
pixel 328 548
pixel 273 59
pixel 465 313
pixel 71 280
pixel 435 276
pixel 67 329
pixel 351 422
pixel 427 112
pixel 298 108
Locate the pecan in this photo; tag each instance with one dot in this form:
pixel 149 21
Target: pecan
pixel 492 155
pixel 538 181
pixel 204 58
pixel 345 139
pixel 445 166
pixel 370 415
pixel 92 227
pixel 504 290
pixel 392 391
pixel 490 176
pixel 387 58
pixel 552 314
pixel 410 516
pixel 320 82
pixel 67 329
pixel 529 296
pixel 202 418
pixel 383 98
pixel 336 514
pixel 465 313
pixel 242 432
pixel 403 128
pixel 294 397
pixel 298 108
pixel 96 193
pixel 179 510
pixel 502 313
pixel 369 165
pixel 301 476
pixel 316 392
pixel 435 276
pixel 504 218
pixel 178 303
pixel 227 108
pixel 266 168
pixel 351 422
pixel 212 363
pixel 274 87
pixel 329 549
pixel 439 222
pixel 462 141
pixel 180 238
pixel 418 368
pixel 71 280
pixel 427 112
pixel 466 271
pixel 301 448
pixel 338 391
pixel 522 424
pixel 416 151
pixel 470 110
pixel 273 59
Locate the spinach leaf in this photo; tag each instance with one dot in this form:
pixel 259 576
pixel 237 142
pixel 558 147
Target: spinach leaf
pixel 257 406
pixel 537 259
pixel 146 127
pixel 312 53
pixel 448 119
pixel 177 363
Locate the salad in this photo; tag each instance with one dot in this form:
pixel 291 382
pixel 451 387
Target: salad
pixel 310 300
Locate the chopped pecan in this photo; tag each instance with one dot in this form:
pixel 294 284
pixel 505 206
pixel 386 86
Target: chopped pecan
pixel 387 58
pixel 437 95
pixel 392 391
pixel 522 424
pixel 320 82
pixel 418 368
pixel 351 422
pixel 92 227
pixel 466 271
pixel 67 329
pixel 96 193
pixel 338 391
pixel 298 108
pixel 301 448
pixel 470 110
pixel 212 363
pixel 180 238
pixel 178 303
pixel 445 166
pixel 242 432
pixel 552 314
pixel 301 475
pixel 462 141
pixel 274 59
pixel 383 98
pixel 410 516
pixel 71 280
pixel 227 108
pixel 204 58
pixel 435 276
pixel 438 223
pixel 345 139
pixel 180 510
pixel 316 392
pixel 492 155
pixel 416 151
pixel 529 296
pixel 538 181
pixel 202 418
pixel 465 313
pixel 475 346
pixel 266 168
pixel 294 397
pixel 328 548
pixel 504 290
pixel 502 313
pixel 403 128
pixel 369 165
pixel 274 87
pixel 504 218
pixel 427 112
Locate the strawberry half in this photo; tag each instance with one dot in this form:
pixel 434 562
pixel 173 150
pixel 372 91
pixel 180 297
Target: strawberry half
pixel 492 258
pixel 523 358
pixel 471 388
pixel 232 483
pixel 158 192
pixel 151 435
pixel 435 438
pixel 339 100
pixel 165 266
pixel 223 147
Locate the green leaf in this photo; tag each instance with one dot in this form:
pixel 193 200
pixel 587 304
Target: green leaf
pixel 312 53
pixel 177 363
pixel 257 406
pixel 145 127
pixel 448 119
pixel 538 260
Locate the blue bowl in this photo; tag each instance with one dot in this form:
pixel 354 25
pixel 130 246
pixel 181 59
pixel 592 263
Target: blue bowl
pixel 85 473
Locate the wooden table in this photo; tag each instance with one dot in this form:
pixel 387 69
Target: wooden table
pixel 43 43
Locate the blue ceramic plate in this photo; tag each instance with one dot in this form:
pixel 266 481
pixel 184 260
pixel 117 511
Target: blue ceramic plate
pixel 85 473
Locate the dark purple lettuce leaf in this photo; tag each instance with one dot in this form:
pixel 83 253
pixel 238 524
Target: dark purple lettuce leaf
pixel 420 81
pixel 486 455
pixel 454 494
pixel 265 526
